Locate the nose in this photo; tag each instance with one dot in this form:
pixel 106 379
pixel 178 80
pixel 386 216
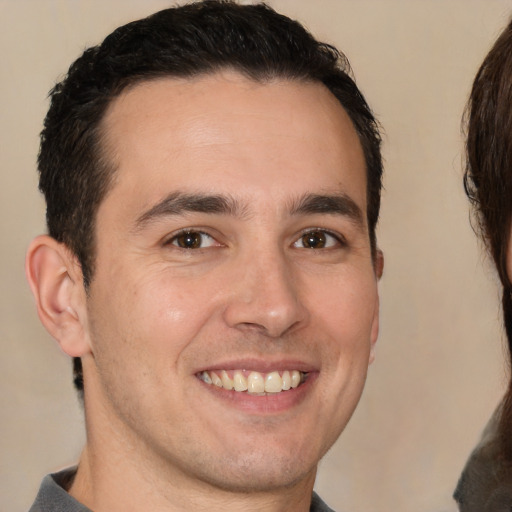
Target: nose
pixel 266 296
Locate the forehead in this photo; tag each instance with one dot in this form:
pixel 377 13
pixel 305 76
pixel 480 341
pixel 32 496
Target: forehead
pixel 228 134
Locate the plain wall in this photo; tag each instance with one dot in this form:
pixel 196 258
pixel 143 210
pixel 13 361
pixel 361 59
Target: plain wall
pixel 439 371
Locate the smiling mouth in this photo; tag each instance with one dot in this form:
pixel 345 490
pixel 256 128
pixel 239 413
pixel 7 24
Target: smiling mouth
pixel 254 382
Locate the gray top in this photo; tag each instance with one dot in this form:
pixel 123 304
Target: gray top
pixel 486 481
pixel 52 496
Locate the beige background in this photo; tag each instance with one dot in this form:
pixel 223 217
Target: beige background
pixel 439 370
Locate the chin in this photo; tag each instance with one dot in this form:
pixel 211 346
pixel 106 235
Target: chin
pixel 259 473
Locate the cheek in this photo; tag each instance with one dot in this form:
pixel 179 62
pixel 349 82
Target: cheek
pixel 170 300
pixel 164 313
pixel 345 313
pixel 139 331
pixel 151 303
pixel 345 306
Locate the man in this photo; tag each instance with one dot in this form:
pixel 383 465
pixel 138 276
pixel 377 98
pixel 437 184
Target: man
pixel 212 177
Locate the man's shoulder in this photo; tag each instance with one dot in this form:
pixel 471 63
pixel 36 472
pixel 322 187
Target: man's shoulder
pixel 53 497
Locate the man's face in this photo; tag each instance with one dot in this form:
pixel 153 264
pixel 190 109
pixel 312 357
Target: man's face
pixel 232 250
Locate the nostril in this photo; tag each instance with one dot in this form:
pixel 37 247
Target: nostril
pixel 265 300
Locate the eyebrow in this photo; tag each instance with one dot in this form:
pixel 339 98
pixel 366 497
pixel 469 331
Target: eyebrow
pixel 179 203
pixel 332 204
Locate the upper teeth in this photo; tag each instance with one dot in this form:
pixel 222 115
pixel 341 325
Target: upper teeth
pixel 254 382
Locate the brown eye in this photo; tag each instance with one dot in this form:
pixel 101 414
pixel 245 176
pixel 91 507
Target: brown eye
pixel 192 240
pixel 314 240
pixel 317 239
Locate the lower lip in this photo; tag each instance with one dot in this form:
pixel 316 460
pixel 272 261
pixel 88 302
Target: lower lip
pixel 270 403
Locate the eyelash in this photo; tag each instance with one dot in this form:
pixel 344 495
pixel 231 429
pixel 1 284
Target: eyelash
pixel 185 232
pixel 339 239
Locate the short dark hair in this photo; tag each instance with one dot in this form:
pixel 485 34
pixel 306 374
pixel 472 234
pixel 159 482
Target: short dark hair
pixel 198 38
pixel 488 180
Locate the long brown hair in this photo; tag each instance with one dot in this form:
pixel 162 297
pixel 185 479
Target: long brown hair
pixel 488 180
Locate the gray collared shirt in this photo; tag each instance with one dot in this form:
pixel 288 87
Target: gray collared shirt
pixel 52 496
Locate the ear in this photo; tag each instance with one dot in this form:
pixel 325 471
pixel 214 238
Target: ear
pixel 379 269
pixel 55 278
pixel 378 264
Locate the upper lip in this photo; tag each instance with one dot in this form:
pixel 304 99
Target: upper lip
pixel 260 365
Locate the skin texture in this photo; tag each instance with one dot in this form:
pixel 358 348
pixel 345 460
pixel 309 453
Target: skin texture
pixel 253 295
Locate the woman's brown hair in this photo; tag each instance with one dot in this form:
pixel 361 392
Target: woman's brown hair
pixel 488 181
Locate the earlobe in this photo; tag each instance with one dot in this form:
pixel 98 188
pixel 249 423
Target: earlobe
pixel 54 277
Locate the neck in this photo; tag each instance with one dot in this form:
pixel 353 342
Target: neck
pixel 111 487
